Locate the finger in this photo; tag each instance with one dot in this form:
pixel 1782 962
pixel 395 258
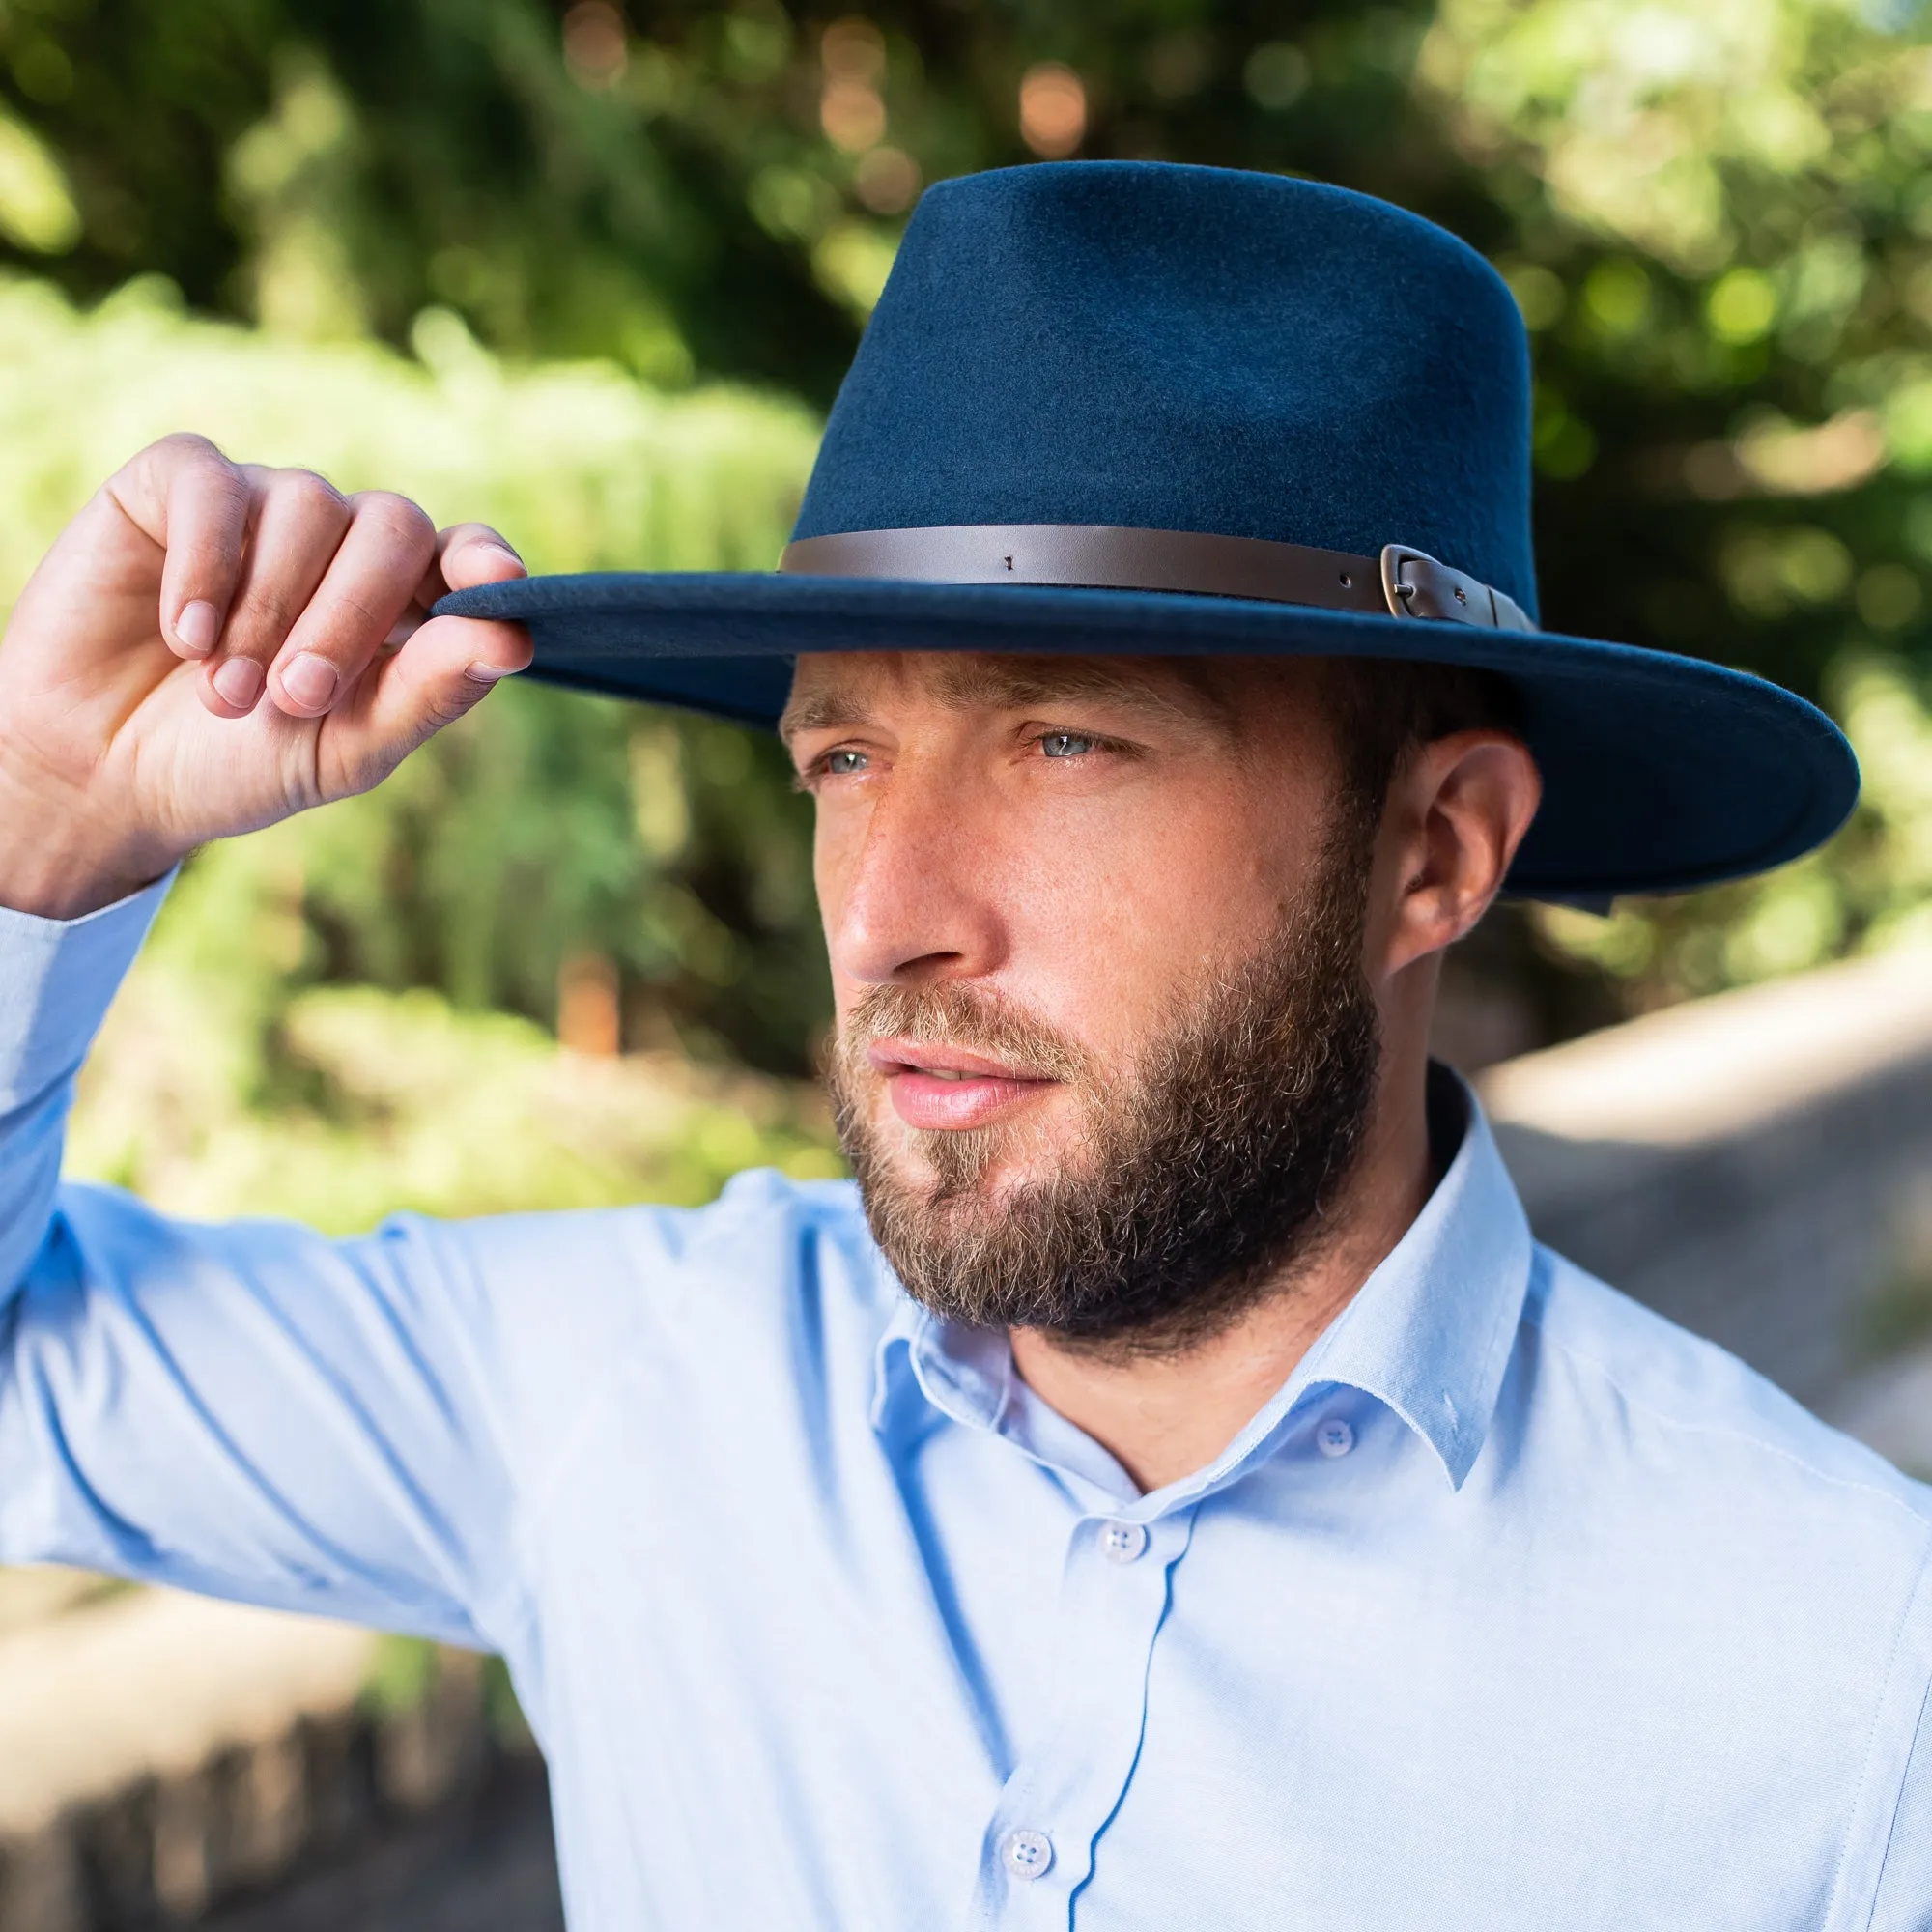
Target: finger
pixel 186 497
pixel 466 554
pixel 366 588
pixel 444 669
pixel 300 520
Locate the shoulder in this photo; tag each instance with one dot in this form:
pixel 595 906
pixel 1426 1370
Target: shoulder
pixel 1740 1590
pixel 1661 1395
pixel 765 1238
pixel 562 1301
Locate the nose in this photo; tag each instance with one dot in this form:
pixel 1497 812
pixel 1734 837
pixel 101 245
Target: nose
pixel 911 896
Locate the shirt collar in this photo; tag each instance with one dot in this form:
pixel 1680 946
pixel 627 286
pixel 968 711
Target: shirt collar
pixel 1429 1334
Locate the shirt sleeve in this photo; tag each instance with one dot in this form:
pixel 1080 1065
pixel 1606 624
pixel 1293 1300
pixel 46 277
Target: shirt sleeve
pixel 251 1410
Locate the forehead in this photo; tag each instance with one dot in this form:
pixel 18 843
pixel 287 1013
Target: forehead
pixel 835 688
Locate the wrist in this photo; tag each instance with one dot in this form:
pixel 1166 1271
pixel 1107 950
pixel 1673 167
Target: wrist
pixel 68 902
pixel 62 893
pixel 53 866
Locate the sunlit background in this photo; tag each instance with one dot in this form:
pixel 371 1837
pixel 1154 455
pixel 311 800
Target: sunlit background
pixel 593 274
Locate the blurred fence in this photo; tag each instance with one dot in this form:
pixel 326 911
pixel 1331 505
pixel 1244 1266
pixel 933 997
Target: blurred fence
pixel 162 1755
pixel 1756 1165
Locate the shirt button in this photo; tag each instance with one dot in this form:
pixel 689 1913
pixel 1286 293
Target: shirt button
pixel 1122 1541
pixel 1334 1438
pixel 1027 1854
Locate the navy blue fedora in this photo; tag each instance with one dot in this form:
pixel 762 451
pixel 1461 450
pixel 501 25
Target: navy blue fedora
pixel 1137 408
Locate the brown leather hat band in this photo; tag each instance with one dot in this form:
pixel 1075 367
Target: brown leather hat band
pixel 1404 582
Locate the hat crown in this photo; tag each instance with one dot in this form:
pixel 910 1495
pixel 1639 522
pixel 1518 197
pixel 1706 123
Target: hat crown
pixel 1159 347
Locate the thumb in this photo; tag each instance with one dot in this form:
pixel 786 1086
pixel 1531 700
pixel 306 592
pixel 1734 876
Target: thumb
pixel 448 665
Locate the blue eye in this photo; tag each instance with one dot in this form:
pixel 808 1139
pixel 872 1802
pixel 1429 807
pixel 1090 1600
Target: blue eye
pixel 1064 745
pixel 842 764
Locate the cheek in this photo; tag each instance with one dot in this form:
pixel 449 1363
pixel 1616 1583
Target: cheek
pixel 838 839
pixel 1114 912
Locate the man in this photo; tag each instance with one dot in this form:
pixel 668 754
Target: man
pixel 1175 1489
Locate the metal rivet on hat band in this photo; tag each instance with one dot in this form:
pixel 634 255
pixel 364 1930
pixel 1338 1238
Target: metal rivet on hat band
pixel 1099 556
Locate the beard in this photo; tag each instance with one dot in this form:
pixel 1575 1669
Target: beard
pixel 1201 1176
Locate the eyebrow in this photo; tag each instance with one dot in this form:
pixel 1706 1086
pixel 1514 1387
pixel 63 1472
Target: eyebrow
pixel 1016 684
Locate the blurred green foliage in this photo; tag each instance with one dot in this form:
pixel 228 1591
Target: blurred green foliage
pixel 226 1084
pixel 569 223
pixel 1723 248
pixel 548 823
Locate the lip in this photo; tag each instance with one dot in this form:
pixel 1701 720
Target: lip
pixel 944 1086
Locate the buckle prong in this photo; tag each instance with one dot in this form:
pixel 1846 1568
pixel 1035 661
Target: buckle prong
pixel 1417 586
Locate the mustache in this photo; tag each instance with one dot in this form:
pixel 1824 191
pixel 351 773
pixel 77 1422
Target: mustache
pixel 973 1019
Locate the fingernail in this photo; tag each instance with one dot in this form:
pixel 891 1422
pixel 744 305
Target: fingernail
pixel 310 680
pixel 237 682
pixel 197 627
pixel 482 673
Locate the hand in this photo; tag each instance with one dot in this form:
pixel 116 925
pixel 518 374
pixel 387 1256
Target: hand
pixel 212 646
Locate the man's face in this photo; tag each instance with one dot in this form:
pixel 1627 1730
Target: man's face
pixel 1095 928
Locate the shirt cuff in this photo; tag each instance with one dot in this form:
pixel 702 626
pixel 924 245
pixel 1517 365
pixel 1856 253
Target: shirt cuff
pixel 58 976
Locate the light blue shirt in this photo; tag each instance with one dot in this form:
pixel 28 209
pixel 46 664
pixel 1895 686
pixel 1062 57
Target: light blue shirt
pixel 1516 1610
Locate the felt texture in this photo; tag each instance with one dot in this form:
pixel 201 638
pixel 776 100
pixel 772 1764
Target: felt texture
pixel 1160 347
pixel 1174 348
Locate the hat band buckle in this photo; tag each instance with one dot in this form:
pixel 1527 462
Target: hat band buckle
pixel 1404 582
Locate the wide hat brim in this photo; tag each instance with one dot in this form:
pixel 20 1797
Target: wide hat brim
pixel 1661 773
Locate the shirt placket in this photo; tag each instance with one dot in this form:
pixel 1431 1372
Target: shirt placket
pixel 1039 1844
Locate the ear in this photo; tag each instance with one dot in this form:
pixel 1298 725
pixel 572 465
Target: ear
pixel 1457 812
